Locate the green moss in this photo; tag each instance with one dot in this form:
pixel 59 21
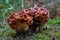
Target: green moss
pixel 58 34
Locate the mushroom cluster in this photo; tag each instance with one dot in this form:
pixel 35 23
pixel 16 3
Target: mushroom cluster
pixel 28 19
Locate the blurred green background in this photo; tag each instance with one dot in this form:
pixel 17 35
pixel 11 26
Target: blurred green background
pixel 53 25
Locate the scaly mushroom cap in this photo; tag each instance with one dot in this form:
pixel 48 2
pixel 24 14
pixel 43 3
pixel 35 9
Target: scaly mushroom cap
pixel 20 20
pixel 42 15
